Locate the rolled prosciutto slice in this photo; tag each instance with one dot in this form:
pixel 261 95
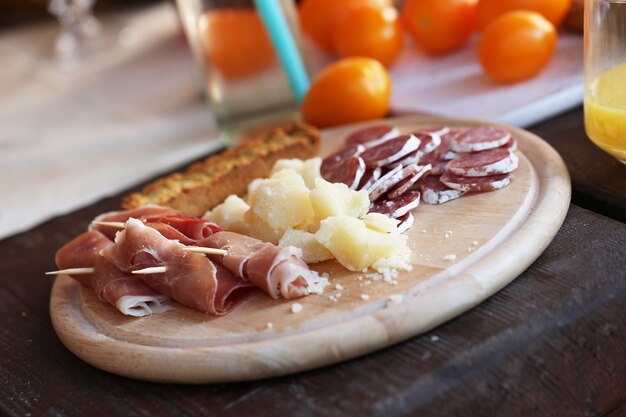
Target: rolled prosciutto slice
pixel 190 278
pixel 123 291
pixel 169 222
pixel 276 270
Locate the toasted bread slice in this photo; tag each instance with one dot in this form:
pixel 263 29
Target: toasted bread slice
pixel 206 184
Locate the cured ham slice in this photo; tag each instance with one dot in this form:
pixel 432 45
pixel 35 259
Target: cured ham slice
pixel 124 291
pixel 276 270
pixel 186 229
pixel 190 278
pixel 82 252
pixel 169 222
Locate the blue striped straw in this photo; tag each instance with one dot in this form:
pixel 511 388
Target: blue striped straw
pixel 285 46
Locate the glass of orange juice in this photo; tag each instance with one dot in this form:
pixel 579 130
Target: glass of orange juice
pixel 240 72
pixel 605 75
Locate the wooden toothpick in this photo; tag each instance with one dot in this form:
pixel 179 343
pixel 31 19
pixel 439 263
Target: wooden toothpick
pixel 119 225
pixel 72 271
pixel 151 270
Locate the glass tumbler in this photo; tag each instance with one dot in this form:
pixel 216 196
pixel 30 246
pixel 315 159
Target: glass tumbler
pixel 241 74
pixel 605 75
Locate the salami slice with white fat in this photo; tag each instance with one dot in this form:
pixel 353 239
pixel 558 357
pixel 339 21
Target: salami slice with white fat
pixel 369 178
pixel 390 151
pixel 397 207
pixel 389 181
pixel 406 222
pixel 372 136
pixel 436 192
pixel 480 139
pixel 428 142
pixel 476 184
pixel 511 145
pixel 350 172
pixel 480 164
pixel 334 162
pixel 439 130
pixel 444 150
pixel 438 166
pixel 411 159
pixel 405 185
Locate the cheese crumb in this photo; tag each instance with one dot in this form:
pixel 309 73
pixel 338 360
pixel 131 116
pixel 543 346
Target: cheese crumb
pixel 319 283
pixel 270 325
pixel 338 287
pixel 424 230
pixel 296 308
pixel 365 297
pixel 447 234
pixel 475 243
pixel 451 257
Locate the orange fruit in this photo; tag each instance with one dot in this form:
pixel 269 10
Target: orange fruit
pixel 517 45
pixel 440 26
pixel 235 42
pixel 553 10
pixel 318 17
pixel 370 31
pixel 349 90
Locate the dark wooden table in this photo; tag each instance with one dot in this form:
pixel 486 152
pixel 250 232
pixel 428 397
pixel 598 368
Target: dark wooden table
pixel 552 343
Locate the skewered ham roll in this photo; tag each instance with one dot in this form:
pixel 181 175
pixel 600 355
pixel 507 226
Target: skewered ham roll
pixel 124 291
pixel 169 222
pixel 274 269
pixel 190 278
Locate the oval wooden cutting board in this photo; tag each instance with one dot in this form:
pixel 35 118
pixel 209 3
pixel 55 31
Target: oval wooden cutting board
pixel 463 252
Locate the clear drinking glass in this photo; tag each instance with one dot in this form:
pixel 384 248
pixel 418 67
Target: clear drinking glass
pixel 605 75
pixel 240 71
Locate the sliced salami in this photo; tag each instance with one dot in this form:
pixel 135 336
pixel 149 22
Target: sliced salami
pixel 390 151
pixel 369 178
pixel 438 166
pixel 334 162
pixel 444 150
pixel 439 130
pixel 372 136
pixel 397 207
pixel 406 185
pixel 476 184
pixel 436 192
pixel 411 159
pixel 480 164
pixel 511 145
pixel 428 143
pixel 389 181
pixel 350 172
pixel 480 139
pixel 406 222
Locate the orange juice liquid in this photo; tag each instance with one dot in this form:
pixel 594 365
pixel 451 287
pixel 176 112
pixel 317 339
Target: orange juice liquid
pixel 605 111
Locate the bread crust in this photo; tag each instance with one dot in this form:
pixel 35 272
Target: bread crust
pixel 207 183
